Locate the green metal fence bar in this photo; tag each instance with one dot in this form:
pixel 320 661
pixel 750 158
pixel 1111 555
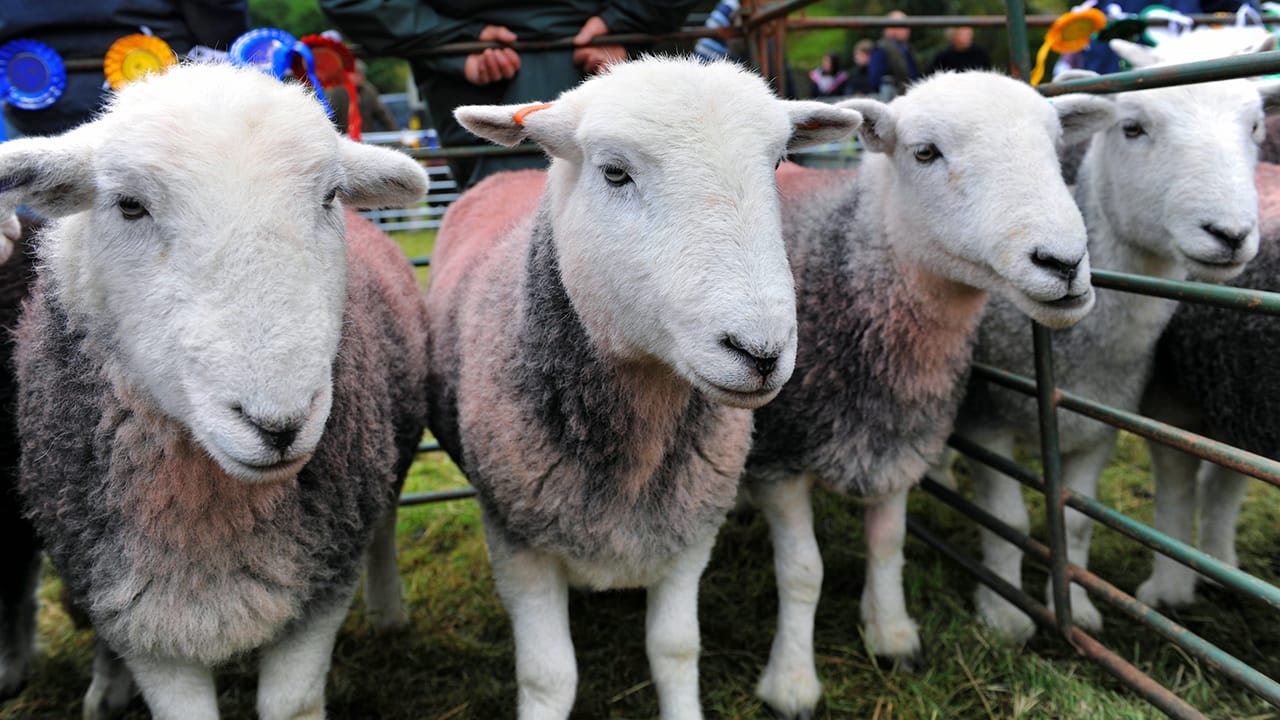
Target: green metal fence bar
pixel 1264 469
pixel 1217 658
pixel 1151 691
pixel 857 22
pixel 1259 301
pixel 1211 567
pixel 1019 49
pixel 1052 459
pixel 424 498
pixel 1238 66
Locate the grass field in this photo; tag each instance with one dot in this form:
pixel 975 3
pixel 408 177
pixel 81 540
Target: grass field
pixel 455 659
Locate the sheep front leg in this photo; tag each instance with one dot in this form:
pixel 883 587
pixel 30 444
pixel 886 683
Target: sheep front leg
pixel 671 634
pixel 175 688
pixel 1080 472
pixel 292 672
pixel 382 589
pixel 19 578
pixel 112 685
pixel 1222 492
pixel 890 630
pixel 1002 497
pixel 535 591
pixel 1171 583
pixel 790 684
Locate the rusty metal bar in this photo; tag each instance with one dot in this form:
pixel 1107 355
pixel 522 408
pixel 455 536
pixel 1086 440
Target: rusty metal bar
pixel 1258 301
pixel 1263 468
pixel 775 12
pixel 858 22
pixel 1150 690
pixel 567 43
pixel 421 261
pixel 1211 567
pixel 1019 50
pixel 1051 458
pixel 1211 654
pixel 1236 66
pixel 428 447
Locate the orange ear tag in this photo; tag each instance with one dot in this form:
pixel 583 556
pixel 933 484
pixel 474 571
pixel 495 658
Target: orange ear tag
pixel 522 112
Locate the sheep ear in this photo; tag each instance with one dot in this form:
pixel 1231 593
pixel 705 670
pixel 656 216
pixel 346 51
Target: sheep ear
pixel 818 123
pixel 879 124
pixel 1139 56
pixel 52 175
pixel 1269 91
pixel 1264 44
pixel 379 177
pixel 548 124
pixel 1074 74
pixel 1083 115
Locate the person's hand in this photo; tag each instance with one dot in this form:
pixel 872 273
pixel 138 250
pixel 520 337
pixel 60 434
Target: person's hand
pixel 593 59
pixel 493 64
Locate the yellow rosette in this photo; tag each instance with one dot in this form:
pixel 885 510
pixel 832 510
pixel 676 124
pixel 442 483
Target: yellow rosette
pixel 133 56
pixel 1069 33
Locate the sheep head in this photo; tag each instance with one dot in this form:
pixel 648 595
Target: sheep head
pixel 969 164
pixel 1174 175
pixel 665 211
pixel 200 245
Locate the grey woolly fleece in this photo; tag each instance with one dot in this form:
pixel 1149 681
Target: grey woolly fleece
pixel 167 554
pixel 884 349
pixel 615 466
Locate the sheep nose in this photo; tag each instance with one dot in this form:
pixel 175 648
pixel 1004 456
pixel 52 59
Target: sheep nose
pixel 1066 269
pixel 764 361
pixel 279 435
pixel 1232 238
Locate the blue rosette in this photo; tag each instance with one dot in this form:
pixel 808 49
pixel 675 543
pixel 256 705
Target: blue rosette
pixel 259 48
pixel 32 74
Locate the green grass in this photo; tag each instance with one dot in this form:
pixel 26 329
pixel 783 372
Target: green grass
pixel 455 658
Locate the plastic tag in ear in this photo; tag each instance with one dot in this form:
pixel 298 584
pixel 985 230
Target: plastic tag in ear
pixel 526 110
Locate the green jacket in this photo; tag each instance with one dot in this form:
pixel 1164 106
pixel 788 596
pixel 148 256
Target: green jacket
pixel 390 27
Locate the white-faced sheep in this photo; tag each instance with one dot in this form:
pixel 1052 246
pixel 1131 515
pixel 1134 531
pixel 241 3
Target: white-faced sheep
pixel 1216 374
pixel 221 380
pixel 1166 191
pixel 20 562
pixel 960 194
pixel 598 335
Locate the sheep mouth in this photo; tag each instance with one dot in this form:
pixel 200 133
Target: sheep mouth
pixel 265 472
pixel 1069 302
pixel 750 399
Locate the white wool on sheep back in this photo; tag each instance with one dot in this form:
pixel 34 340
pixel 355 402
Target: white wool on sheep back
pixel 1166 191
pixel 220 374
pixel 959 195
pixel 599 333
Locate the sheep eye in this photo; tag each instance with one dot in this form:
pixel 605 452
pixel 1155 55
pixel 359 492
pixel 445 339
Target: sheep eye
pixel 131 208
pixel 1132 130
pixel 777 164
pixel 329 197
pixel 616 176
pixel 926 153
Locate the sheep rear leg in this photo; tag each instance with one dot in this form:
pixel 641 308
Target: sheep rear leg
pixel 889 629
pixel 671 634
pixel 1222 492
pixel 1002 497
pixel 1080 472
pixel 534 588
pixel 1171 583
pixel 175 689
pixel 292 671
pixel 790 683
pixel 19 579
pixel 112 686
pixel 382 589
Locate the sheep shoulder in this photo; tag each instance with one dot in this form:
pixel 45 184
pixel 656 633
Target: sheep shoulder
pixel 883 353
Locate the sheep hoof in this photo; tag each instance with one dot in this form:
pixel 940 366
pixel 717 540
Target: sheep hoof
pixel 804 714
pixel 790 695
pixel 1004 617
pixel 902 664
pixel 1161 592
